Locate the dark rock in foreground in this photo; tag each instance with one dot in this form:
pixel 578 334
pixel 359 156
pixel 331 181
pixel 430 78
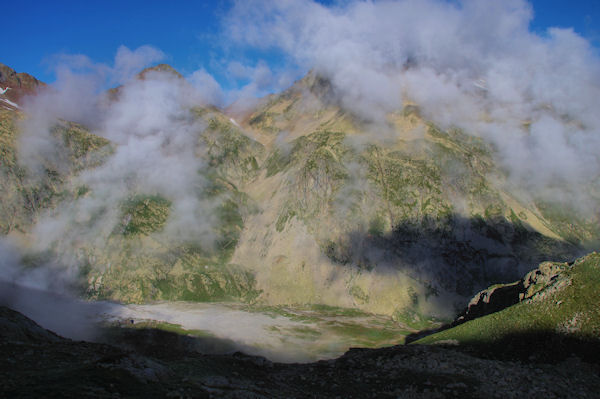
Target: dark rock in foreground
pixel 37 363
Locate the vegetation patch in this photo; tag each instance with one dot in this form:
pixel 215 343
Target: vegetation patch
pixel 567 316
pixel 144 214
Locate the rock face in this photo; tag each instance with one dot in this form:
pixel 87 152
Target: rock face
pixel 547 277
pixel 20 84
pixel 492 300
pixel 307 206
pixel 37 363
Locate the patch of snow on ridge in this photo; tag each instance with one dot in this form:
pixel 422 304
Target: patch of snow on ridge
pixel 10 102
pixel 234 122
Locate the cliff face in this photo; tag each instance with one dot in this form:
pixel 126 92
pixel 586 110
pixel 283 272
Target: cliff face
pixel 547 278
pixel 20 83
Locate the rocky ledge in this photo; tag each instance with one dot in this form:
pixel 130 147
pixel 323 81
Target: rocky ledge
pixel 547 278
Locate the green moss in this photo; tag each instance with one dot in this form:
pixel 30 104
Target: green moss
pixel 82 191
pixel 408 188
pixel 277 162
pixel 571 310
pixel 229 229
pixel 369 336
pixel 306 332
pixel 336 252
pixel 144 214
pixel 377 226
pixel 569 224
pixel 359 295
pixel 335 311
pixel 78 140
pixel 230 153
pixel 260 118
pixel 286 215
pixel 494 211
pixel 409 110
pixel 317 171
pixel 169 327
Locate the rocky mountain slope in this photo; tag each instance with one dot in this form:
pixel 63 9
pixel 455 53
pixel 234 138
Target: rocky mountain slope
pixel 20 84
pixel 307 203
pixel 550 313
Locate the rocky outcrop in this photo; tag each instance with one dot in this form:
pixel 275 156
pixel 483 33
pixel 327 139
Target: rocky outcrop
pixel 20 84
pixel 17 328
pixel 548 277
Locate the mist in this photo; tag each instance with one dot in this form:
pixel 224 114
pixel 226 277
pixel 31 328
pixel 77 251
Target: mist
pixel 472 64
pixel 153 150
pixel 153 138
pixel 46 295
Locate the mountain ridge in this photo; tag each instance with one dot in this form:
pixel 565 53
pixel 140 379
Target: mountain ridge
pixel 21 84
pixel 317 205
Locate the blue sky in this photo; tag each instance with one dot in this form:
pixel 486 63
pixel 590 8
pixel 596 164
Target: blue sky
pixel 188 32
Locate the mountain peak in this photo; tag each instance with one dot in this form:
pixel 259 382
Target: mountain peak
pixel 20 83
pixel 317 84
pixel 160 68
pixel 113 93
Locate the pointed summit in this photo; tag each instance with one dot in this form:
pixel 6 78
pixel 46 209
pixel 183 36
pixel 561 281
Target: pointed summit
pixel 317 84
pixel 160 68
pixel 20 83
pixel 113 94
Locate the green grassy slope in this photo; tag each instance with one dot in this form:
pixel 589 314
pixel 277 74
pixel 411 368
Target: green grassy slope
pixel 559 316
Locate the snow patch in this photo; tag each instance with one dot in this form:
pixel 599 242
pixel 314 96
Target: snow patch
pixel 234 122
pixel 10 102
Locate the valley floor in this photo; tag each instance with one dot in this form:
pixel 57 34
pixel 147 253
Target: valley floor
pixel 37 363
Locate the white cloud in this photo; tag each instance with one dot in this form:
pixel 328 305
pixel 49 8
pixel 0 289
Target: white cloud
pixel 209 90
pixel 156 145
pixel 128 63
pixel 473 64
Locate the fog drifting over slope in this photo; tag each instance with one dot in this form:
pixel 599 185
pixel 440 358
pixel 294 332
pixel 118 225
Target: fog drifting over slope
pixel 472 64
pixel 154 138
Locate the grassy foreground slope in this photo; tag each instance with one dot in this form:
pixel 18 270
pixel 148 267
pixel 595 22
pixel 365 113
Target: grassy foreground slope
pixel 557 314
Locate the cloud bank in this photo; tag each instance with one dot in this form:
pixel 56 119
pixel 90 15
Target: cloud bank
pixel 154 138
pixel 472 64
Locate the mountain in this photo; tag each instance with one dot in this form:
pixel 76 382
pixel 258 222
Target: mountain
pixel 298 208
pixel 113 93
pixel 407 213
pixel 21 84
pixel 297 202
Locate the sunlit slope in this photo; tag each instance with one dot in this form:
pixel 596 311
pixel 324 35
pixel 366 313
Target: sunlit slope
pixel 132 260
pixel 304 203
pixel 558 306
pixel 400 218
pixel 142 262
